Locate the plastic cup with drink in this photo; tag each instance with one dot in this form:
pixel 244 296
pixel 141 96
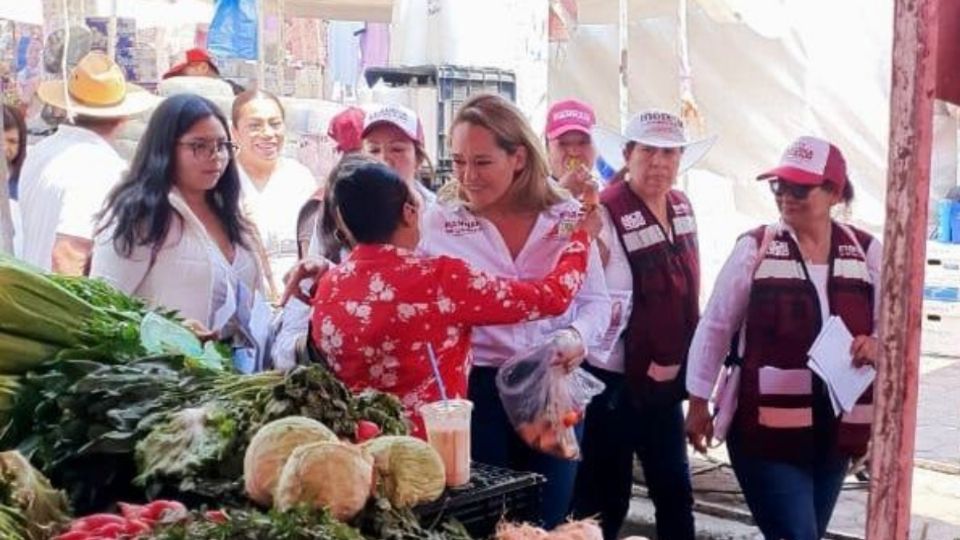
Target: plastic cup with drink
pixel 448 429
pixel 448 432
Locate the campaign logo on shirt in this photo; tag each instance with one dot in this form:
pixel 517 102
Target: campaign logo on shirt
pixel 633 221
pixel 567 224
pixel 461 227
pixel 778 248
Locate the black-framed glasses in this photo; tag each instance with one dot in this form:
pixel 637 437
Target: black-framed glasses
pixel 797 191
pixel 209 149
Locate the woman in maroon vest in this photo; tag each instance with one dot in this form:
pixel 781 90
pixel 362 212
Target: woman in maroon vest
pixel 789 446
pixel 650 232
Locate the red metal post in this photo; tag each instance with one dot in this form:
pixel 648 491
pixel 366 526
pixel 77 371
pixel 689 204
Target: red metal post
pixel 908 186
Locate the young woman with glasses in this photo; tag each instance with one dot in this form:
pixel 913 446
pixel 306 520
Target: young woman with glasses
pixel 173 233
pixel 789 447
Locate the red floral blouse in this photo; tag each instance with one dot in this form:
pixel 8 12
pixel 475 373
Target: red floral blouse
pixel 375 314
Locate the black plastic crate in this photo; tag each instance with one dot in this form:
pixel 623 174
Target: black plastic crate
pixel 492 494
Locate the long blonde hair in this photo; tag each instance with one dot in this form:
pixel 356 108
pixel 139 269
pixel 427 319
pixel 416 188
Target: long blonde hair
pixel 531 189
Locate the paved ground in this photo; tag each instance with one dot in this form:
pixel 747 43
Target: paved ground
pixel 722 513
pixel 938 418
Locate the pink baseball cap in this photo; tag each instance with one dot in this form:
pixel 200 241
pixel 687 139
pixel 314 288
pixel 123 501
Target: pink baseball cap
pixel 345 128
pixel 396 115
pixel 810 161
pixel 569 115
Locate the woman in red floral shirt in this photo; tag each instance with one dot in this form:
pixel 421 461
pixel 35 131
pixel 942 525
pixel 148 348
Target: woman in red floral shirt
pixel 376 313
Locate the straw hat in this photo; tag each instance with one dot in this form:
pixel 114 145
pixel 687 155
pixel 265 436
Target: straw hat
pixel 652 128
pixel 97 88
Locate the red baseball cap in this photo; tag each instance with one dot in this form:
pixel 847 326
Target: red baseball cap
pixel 569 115
pixel 346 128
pixel 191 56
pixel 810 161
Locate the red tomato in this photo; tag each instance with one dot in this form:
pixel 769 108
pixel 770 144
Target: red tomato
pixel 366 430
pixel 161 510
pixel 572 418
pixel 216 516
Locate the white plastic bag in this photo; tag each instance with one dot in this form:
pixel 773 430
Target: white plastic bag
pixel 543 402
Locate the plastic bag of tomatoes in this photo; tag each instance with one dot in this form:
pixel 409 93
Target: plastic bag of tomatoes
pixel 544 401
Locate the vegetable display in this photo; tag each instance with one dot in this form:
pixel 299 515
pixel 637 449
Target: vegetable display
pixel 114 401
pixel 42 317
pixel 409 470
pixel 330 475
pixel 30 508
pixel 269 449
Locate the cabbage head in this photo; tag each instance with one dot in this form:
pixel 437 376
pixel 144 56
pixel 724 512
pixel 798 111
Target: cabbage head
pixel 29 498
pixel 269 449
pixel 411 472
pixel 331 475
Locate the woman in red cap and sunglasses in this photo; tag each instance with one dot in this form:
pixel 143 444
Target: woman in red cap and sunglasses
pixel 789 449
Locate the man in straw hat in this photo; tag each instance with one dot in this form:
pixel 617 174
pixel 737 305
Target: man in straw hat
pixel 650 231
pixel 67 176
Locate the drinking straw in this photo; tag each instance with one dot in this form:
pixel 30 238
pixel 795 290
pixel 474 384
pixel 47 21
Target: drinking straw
pixel 436 372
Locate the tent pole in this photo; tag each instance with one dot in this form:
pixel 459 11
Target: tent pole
pixel 623 28
pixel 6 218
pixel 112 31
pixel 908 189
pixel 261 65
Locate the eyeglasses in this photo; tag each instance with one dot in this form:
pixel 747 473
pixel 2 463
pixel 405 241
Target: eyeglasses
pixel 797 191
pixel 209 149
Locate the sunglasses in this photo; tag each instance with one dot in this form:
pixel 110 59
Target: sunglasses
pixel 797 191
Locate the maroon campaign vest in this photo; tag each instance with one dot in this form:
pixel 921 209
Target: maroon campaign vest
pixel 666 290
pixel 784 410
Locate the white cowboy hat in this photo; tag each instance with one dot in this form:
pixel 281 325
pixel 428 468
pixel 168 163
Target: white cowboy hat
pixel 97 88
pixel 652 128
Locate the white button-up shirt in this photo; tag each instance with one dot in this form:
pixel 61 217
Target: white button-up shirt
pixel 64 183
pixel 611 351
pixel 453 230
pixel 728 306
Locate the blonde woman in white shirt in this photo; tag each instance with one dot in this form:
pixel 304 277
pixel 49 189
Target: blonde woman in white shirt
pixel 273 187
pixel 504 216
pixel 172 232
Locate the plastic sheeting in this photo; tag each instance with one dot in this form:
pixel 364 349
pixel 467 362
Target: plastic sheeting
pixel 764 72
pixel 810 67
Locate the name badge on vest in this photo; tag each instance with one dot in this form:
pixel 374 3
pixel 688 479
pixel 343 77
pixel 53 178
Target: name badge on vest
pixel 633 221
pixel 849 252
pixel 778 248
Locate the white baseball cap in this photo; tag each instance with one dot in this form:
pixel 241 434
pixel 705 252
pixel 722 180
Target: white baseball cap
pixel 655 128
pixel 396 115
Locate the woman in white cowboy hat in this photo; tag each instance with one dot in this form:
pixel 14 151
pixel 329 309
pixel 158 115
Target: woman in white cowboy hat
pixel 651 233
pixel 67 176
